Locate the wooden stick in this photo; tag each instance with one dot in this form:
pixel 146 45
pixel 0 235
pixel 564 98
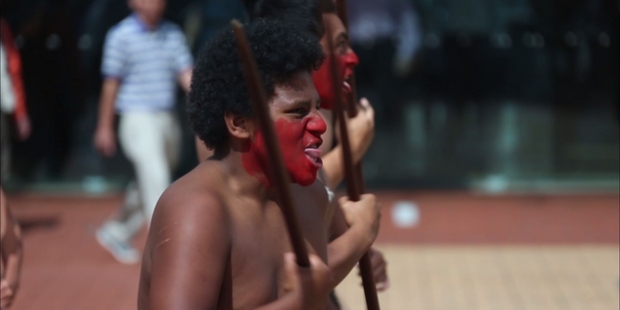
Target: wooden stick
pixel 277 171
pixel 353 180
pixel 341 6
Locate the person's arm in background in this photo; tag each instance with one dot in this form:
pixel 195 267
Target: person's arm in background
pixel 183 62
pixel 409 37
pixel 14 66
pixel 6 88
pixel 105 137
pixel 11 254
pixel 361 131
pixel 184 67
pixel 185 79
pixel 112 67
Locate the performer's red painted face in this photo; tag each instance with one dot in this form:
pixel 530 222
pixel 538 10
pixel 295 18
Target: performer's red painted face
pixel 346 61
pixel 298 126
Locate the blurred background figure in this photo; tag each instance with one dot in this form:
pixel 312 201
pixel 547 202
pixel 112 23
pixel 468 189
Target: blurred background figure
pixel 13 97
pixel 144 58
pixel 490 95
pixel 203 20
pixel 386 35
pixel 10 254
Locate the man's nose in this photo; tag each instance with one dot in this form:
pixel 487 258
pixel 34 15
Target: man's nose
pixel 351 59
pixel 317 124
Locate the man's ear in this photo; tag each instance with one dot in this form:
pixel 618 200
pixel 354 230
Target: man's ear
pixel 239 126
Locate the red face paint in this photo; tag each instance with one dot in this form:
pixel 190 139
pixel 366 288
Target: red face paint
pixel 323 78
pixel 299 142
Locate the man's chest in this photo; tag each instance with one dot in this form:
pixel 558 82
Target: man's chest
pixel 257 261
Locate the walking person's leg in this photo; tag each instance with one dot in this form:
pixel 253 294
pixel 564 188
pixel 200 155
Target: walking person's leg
pixel 173 142
pixel 116 233
pixel 143 137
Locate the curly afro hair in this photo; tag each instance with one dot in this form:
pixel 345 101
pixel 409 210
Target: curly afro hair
pixel 218 84
pixel 304 14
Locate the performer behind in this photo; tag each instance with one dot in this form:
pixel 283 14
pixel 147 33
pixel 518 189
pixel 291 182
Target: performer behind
pixel 312 17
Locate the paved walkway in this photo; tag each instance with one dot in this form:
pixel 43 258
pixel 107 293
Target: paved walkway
pixel 495 278
pixel 433 265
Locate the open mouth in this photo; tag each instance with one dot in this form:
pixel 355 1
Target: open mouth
pixel 313 153
pixel 347 87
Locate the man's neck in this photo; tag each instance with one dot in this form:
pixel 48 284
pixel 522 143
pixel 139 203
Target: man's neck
pixel 242 182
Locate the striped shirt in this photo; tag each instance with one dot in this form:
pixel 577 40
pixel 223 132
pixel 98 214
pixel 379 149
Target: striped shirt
pixel 147 62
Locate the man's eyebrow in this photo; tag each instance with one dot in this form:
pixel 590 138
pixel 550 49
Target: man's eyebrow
pixel 299 102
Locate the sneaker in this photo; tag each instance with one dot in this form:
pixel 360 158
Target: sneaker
pixel 122 251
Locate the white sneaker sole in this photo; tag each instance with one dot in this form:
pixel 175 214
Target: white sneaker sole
pixel 124 260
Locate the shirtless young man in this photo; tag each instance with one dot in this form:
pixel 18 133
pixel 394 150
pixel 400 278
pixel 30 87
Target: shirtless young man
pixel 10 254
pixel 313 17
pixel 217 237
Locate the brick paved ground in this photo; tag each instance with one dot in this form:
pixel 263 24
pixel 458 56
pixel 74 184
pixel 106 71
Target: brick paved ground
pixel 495 278
pixel 461 254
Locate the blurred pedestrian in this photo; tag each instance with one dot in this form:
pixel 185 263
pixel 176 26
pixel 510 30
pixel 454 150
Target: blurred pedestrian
pixel 144 58
pixel 13 96
pixel 386 35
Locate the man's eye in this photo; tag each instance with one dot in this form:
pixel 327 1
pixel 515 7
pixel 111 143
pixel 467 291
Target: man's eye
pixel 341 48
pixel 300 111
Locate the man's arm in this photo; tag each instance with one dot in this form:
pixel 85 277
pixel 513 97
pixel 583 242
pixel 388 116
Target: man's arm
pixel 105 139
pixel 11 252
pixel 341 258
pixel 350 243
pixel 189 253
pixel 361 131
pixel 310 286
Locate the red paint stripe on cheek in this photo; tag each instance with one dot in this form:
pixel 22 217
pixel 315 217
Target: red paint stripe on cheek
pixel 291 138
pixel 253 158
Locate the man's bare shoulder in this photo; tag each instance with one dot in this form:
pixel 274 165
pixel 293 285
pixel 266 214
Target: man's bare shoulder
pixel 193 198
pixel 188 246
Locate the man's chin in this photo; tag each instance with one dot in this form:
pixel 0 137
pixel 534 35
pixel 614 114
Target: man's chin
pixel 305 180
pixel 306 184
